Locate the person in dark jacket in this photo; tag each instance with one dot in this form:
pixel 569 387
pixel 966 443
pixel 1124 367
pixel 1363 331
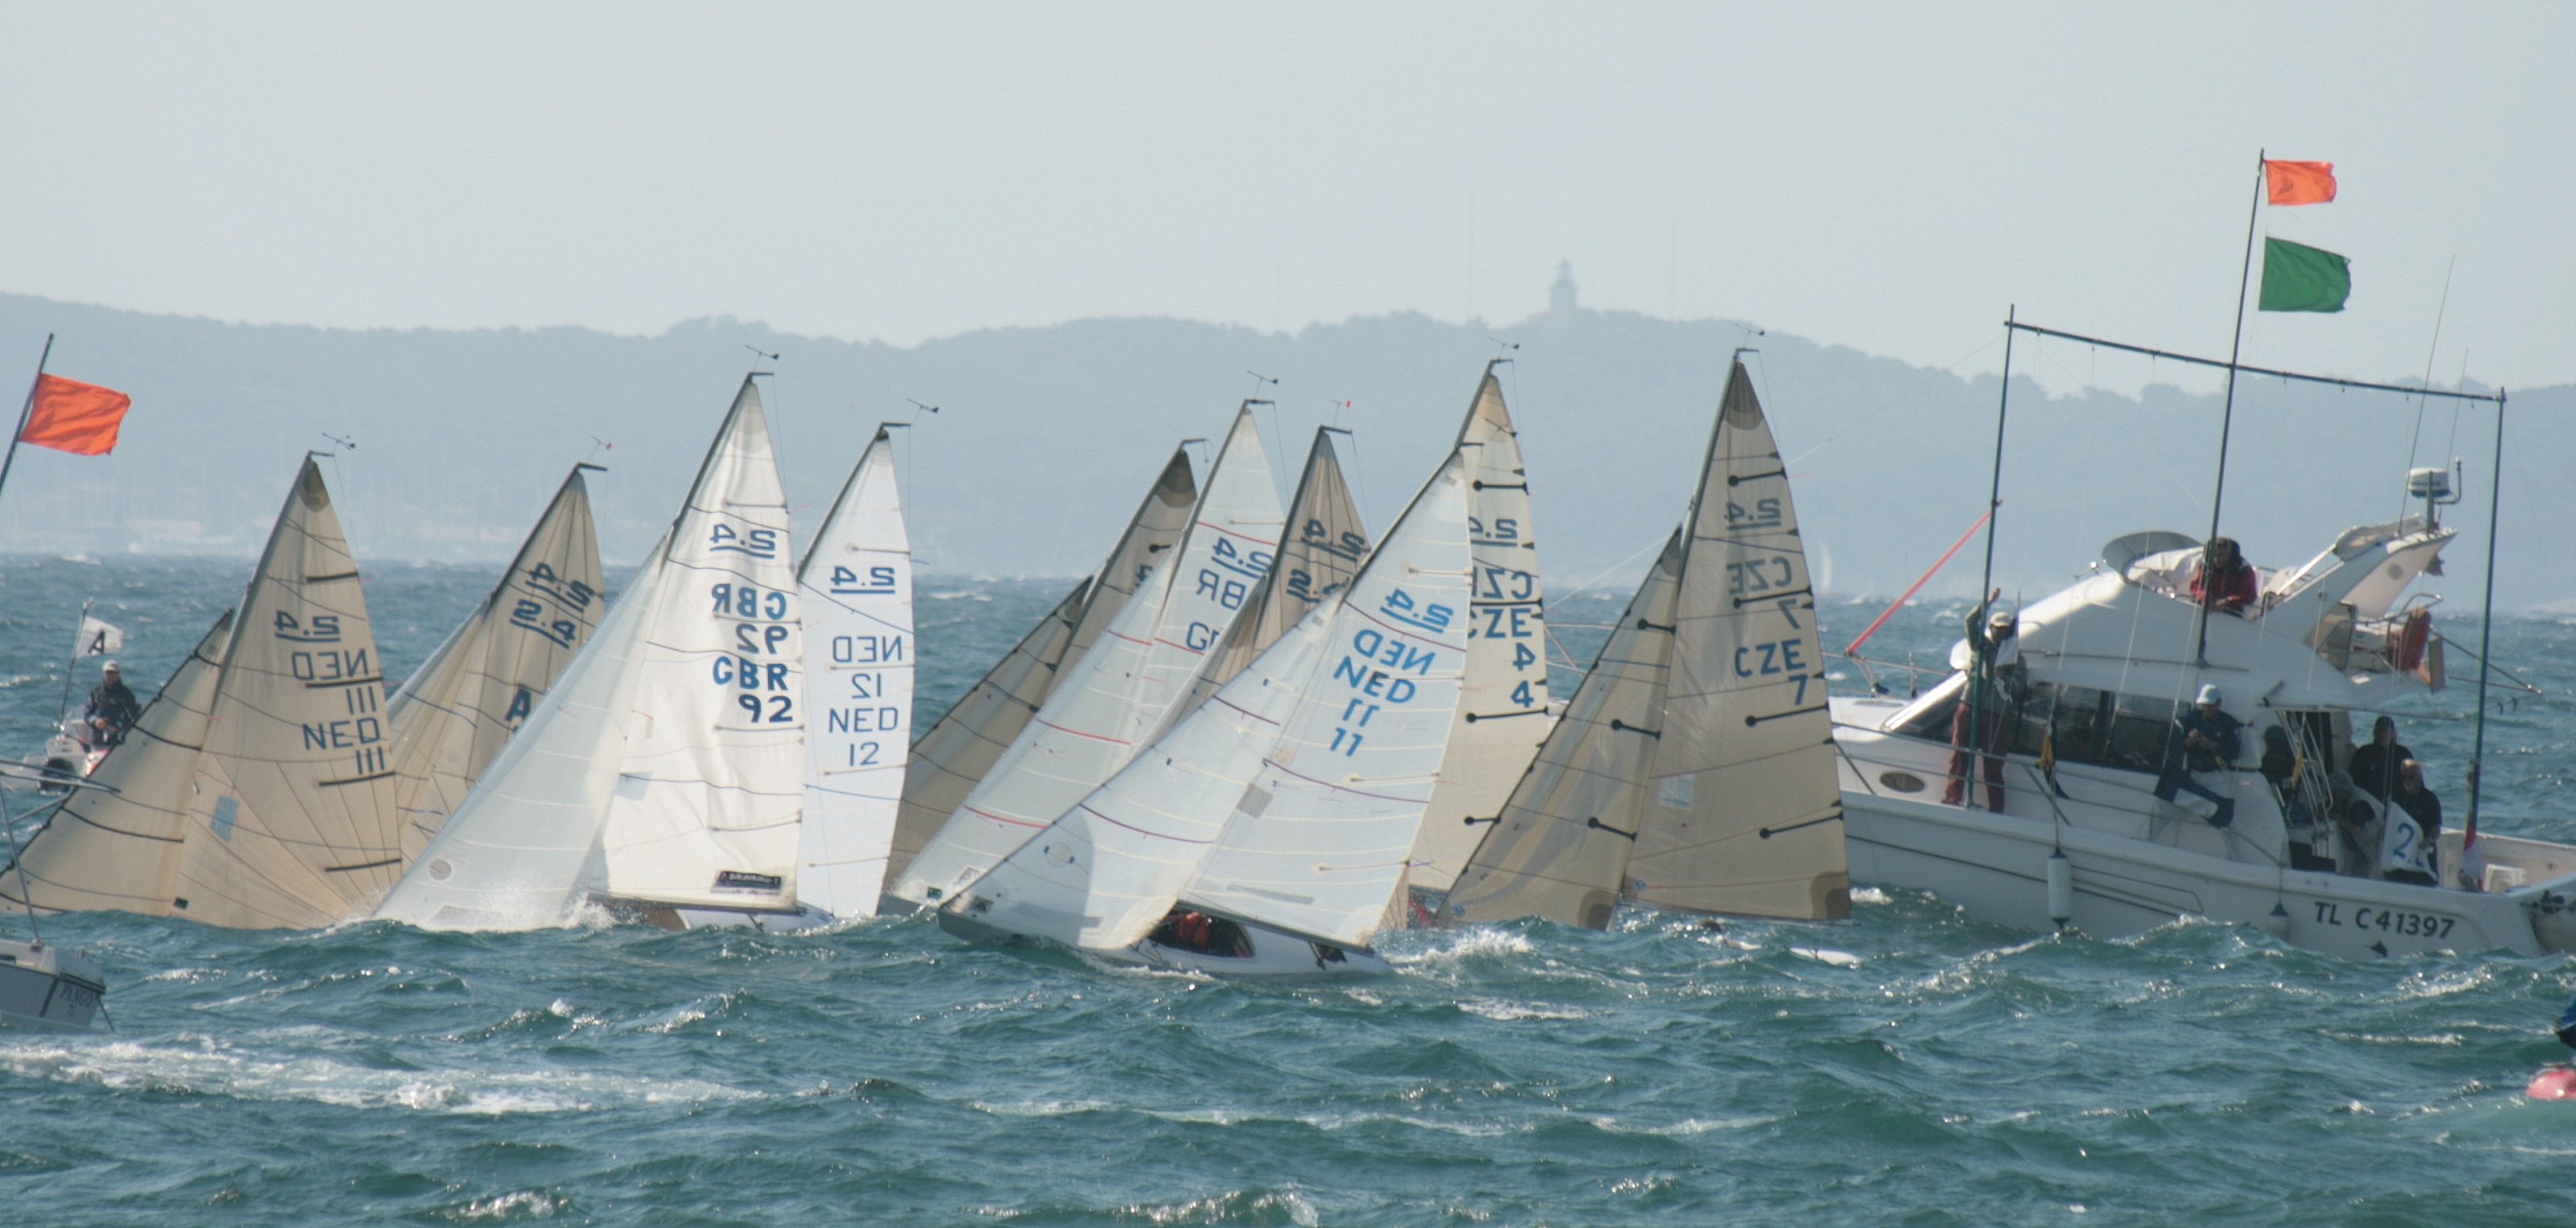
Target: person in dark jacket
pixel 2374 766
pixel 1977 727
pixel 2206 741
pixel 112 709
pixel 2224 580
pixel 2421 805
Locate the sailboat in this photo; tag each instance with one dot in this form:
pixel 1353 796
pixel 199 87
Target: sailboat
pixel 666 769
pixel 453 715
pixel 1693 769
pixel 41 984
pixel 1503 701
pixel 856 585
pixel 1322 549
pixel 949 760
pixel 1125 691
pixel 1267 832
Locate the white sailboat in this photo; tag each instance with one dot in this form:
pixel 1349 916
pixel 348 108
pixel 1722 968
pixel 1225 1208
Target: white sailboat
pixel 1325 746
pixel 1123 693
pixel 856 581
pixel 954 755
pixel 1503 701
pixel 1701 740
pixel 666 769
pixel 453 715
pixel 291 822
pixel 1323 548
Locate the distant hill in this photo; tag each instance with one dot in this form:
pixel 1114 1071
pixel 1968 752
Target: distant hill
pixel 1047 437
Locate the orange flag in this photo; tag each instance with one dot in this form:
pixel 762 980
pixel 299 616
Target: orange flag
pixel 2299 183
pixel 70 416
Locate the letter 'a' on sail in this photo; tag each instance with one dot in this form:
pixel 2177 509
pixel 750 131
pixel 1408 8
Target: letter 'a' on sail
pixel 292 822
pixel 1120 694
pixel 1322 549
pixel 120 849
pixel 451 717
pixel 1318 844
pixel 1560 850
pixel 666 768
pixel 1502 704
pixel 856 583
pixel 1743 814
pixel 951 758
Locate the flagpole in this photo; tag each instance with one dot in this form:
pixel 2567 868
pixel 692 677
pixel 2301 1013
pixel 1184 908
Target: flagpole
pixel 26 412
pixel 2486 632
pixel 2227 411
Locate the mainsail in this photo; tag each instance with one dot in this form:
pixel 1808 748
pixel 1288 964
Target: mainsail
pixel 292 822
pixel 1322 549
pixel 1744 815
pixel 953 756
pixel 118 847
pixel 1560 848
pixel 451 717
pixel 1318 842
pixel 667 766
pixel 1502 702
pixel 856 582
pixel 1119 696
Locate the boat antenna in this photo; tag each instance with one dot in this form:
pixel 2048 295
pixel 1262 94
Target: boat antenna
pixel 2227 407
pixel 2486 633
pixel 1501 347
pixel 345 443
pixel 919 409
pixel 759 352
pixel 2415 439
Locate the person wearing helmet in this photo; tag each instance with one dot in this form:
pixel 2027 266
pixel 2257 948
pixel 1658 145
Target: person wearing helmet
pixel 112 708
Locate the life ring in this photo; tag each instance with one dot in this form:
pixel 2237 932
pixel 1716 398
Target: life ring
pixel 2408 654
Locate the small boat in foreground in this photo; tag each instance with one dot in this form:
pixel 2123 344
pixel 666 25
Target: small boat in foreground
pixel 43 985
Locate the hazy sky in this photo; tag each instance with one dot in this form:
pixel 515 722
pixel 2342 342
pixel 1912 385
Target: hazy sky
pixel 1888 177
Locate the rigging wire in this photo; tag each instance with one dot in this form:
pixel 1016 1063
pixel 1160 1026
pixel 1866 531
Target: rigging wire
pixel 2415 439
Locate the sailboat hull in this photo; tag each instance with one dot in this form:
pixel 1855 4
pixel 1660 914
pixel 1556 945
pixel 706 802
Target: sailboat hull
pixel 47 987
pixel 1272 953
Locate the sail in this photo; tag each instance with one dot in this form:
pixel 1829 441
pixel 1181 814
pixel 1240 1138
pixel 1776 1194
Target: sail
pixel 950 759
pixel 1744 814
pixel 1117 698
pixel 451 717
pixel 292 821
pixel 1106 871
pixel 1318 555
pixel 120 849
pixel 512 855
pixel 856 582
pixel 1560 850
pixel 708 797
pixel 1502 702
pixel 1318 844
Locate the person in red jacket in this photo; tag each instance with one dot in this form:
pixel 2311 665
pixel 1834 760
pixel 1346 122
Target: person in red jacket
pixel 2224 580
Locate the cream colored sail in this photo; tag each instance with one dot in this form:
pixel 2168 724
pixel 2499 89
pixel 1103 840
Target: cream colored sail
pixel 451 717
pixel 1318 844
pixel 292 822
pixel 1106 871
pixel 120 849
pixel 1117 698
pixel 1322 549
pixel 1502 703
pixel 951 758
pixel 856 582
pixel 1560 850
pixel 712 784
pixel 1743 815
pixel 512 855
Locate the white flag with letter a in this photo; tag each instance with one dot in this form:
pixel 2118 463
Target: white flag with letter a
pixel 97 639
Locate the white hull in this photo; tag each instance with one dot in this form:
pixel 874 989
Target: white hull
pixel 47 987
pixel 2137 866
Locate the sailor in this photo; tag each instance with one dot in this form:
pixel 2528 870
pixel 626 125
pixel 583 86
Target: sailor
pixel 1994 660
pixel 112 709
pixel 2414 831
pixel 2375 767
pixel 2224 581
pixel 2209 743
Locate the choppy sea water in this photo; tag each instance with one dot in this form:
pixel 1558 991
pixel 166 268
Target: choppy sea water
pixel 1911 1067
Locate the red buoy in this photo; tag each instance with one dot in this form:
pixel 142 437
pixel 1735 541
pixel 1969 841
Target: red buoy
pixel 2553 1083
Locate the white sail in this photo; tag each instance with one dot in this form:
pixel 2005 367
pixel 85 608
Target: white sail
pixel 1318 845
pixel 1744 815
pixel 1560 849
pixel 451 717
pixel 708 797
pixel 1106 871
pixel 512 855
pixel 1322 549
pixel 951 758
pixel 1502 702
pixel 1117 697
pixel 118 847
pixel 857 586
pixel 292 821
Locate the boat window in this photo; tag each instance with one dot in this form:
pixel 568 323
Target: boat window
pixel 2140 730
pixel 2094 726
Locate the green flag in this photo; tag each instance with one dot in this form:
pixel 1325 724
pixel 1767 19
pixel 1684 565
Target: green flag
pixel 2297 277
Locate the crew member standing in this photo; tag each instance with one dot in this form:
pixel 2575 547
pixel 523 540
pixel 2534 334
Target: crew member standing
pixel 1977 728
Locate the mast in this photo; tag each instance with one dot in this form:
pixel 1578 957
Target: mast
pixel 1986 578
pixel 26 411
pixel 2227 410
pixel 2486 633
